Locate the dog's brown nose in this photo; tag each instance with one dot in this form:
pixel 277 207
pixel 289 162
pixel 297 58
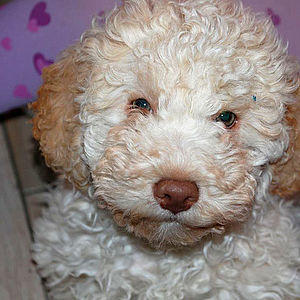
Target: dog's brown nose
pixel 176 196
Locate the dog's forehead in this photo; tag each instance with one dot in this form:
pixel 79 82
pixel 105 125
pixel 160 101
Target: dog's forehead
pixel 181 74
pixel 199 59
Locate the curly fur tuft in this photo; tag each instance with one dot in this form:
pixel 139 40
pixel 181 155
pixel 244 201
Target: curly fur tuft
pixel 56 124
pixel 286 179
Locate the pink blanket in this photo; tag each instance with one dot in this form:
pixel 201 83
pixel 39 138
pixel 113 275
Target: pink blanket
pixel 33 33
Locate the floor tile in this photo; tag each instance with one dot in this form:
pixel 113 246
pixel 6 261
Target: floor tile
pixel 29 163
pixel 18 277
pixel 35 204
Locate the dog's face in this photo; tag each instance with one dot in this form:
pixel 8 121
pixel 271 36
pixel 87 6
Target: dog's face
pixel 180 110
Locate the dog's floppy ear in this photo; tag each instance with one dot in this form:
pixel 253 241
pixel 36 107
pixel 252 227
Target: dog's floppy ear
pixel 286 172
pixel 56 122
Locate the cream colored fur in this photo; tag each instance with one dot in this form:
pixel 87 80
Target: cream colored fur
pixel 191 60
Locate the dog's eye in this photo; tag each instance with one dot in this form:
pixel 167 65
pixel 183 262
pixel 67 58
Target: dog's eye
pixel 228 118
pixel 141 103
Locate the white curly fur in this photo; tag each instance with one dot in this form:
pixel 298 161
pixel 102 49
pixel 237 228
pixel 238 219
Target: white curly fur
pixel 84 255
pixel 191 60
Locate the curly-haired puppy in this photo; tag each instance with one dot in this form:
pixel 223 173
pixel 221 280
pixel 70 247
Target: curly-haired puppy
pixel 181 119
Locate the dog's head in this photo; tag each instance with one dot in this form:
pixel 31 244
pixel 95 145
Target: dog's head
pixel 171 113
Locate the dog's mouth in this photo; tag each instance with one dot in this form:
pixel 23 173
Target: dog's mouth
pixel 165 232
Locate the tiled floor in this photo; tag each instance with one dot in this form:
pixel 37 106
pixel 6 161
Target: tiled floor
pixel 23 180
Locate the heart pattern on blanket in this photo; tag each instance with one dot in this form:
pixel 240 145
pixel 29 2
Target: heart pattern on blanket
pixel 274 17
pixel 41 62
pixel 101 16
pixel 6 43
pixel 21 92
pixel 38 17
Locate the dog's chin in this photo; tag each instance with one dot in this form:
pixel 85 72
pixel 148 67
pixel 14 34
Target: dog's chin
pixel 164 233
